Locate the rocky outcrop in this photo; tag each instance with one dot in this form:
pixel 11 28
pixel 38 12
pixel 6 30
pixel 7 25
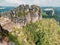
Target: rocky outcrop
pixel 16 18
pixel 24 14
pixel 7 24
pixel 49 11
pixel 3 31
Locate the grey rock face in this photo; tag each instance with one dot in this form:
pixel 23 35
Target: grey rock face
pixel 25 14
pixel 28 18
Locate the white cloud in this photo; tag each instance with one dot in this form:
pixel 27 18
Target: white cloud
pixel 37 2
pixel 11 1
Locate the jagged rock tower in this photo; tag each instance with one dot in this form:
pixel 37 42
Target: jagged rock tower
pixel 24 14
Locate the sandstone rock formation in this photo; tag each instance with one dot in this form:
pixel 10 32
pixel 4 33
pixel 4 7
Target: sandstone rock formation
pixel 20 16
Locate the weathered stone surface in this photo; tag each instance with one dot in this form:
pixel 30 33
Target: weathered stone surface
pixel 28 18
pixel 21 16
pixel 7 24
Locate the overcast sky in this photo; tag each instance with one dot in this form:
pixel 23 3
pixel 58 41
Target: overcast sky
pixel 37 2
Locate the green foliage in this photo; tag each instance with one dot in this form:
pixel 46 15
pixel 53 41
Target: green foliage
pixel 44 32
pixel 44 14
pixel 21 13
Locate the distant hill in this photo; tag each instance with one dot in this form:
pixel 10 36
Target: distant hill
pixel 5 8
